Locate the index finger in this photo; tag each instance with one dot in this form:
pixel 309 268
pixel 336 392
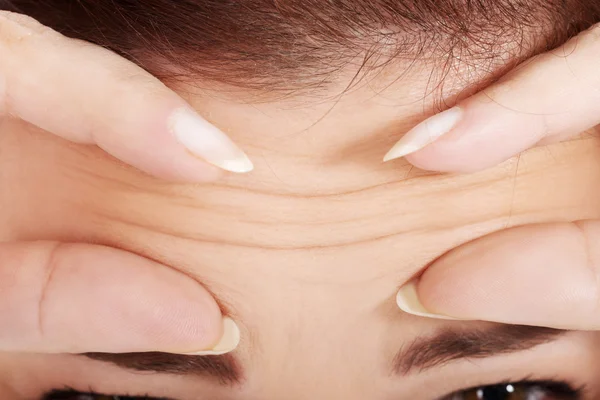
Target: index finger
pixel 88 94
pixel 552 97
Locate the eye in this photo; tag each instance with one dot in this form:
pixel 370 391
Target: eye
pixel 74 395
pixel 519 391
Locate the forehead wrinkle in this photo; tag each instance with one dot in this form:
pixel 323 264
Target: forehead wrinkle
pixel 368 240
pixel 302 225
pixel 205 214
pixel 324 223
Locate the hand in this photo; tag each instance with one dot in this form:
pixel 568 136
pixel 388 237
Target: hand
pixel 552 97
pixel 86 94
pixel 76 298
pixel 81 298
pixel 544 275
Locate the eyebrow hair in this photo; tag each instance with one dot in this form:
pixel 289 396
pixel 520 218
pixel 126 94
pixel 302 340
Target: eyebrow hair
pixel 424 353
pixel 224 368
pixel 452 344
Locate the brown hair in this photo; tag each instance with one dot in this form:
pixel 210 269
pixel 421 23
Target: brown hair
pixel 293 44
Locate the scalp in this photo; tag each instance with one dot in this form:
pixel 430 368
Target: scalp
pixel 299 45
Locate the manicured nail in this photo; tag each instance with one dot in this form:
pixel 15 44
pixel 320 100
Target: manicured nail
pixel 408 301
pixel 207 142
pixel 229 341
pixel 425 133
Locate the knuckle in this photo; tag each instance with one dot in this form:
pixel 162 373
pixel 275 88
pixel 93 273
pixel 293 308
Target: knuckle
pixel 18 38
pixel 142 81
pixel 130 75
pixel 585 229
pixel 587 232
pixel 14 26
pixel 51 264
pixel 130 86
pixel 21 19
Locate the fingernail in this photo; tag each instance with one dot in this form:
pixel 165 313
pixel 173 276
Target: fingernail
pixel 425 133
pixel 229 341
pixel 207 142
pixel 408 301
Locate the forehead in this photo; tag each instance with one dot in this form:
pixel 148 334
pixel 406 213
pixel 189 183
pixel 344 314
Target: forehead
pixel 320 206
pixel 307 252
pixel 320 210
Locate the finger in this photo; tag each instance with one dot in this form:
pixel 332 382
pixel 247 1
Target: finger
pixel 83 298
pixel 544 275
pixel 87 94
pixel 554 96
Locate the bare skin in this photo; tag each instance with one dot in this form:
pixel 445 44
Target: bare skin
pixel 307 252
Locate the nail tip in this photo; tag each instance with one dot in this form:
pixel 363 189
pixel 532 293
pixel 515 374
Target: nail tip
pixel 228 342
pixel 425 133
pixel 408 301
pixel 240 165
pixel 399 151
pixel 206 141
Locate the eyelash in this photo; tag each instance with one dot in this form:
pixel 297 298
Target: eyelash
pixel 561 389
pixel 556 389
pixel 71 394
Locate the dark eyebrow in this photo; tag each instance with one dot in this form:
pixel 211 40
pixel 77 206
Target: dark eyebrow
pixel 225 368
pixel 452 344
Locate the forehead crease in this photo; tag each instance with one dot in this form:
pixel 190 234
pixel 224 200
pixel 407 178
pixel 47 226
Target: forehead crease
pixel 280 223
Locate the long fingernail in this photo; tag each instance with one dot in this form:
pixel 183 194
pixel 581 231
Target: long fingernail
pixel 425 133
pixel 408 301
pixel 207 142
pixel 229 341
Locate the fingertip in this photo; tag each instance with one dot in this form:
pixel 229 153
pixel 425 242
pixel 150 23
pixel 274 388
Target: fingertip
pixel 230 339
pixel 127 303
pixel 172 142
pixel 186 168
pixel 531 275
pixel 425 133
pixel 408 300
pixel 207 142
pixel 478 135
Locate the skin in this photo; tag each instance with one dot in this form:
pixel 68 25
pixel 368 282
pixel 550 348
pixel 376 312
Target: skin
pixel 320 214
pixel 63 74
pixel 550 99
pixel 307 252
pixel 58 70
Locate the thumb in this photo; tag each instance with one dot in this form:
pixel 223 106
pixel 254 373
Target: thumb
pixel 543 275
pixel 73 298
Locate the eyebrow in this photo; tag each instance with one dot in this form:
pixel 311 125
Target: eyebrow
pixel 225 368
pixel 451 344
pixel 424 353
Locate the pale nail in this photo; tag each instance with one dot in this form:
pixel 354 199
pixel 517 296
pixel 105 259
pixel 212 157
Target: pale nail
pixel 229 341
pixel 408 301
pixel 207 142
pixel 425 133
